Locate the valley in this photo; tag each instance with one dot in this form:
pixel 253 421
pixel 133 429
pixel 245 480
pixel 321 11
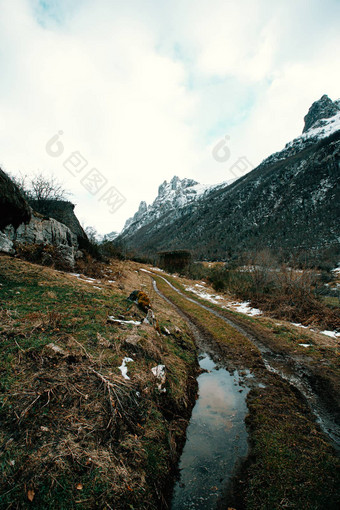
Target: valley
pixel 191 361
pixel 74 427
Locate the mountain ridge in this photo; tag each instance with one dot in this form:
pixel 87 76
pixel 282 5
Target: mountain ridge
pixel 270 207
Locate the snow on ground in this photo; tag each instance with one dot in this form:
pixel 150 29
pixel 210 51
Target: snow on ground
pixel 86 279
pixel 159 371
pixel 297 324
pixel 333 334
pixel 204 295
pixel 246 309
pixel 112 319
pixel 241 307
pixel 123 367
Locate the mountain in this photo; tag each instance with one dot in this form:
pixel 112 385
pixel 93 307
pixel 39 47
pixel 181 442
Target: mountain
pixel 289 203
pixel 172 198
pixel 319 111
pixel 107 237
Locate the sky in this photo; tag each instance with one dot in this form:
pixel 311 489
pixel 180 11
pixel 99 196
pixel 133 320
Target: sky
pixel 114 97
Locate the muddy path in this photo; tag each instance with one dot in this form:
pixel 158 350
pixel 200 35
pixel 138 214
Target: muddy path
pixel 289 368
pixel 292 460
pixel 206 471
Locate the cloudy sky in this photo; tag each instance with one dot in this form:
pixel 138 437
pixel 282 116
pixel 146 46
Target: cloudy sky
pixel 142 90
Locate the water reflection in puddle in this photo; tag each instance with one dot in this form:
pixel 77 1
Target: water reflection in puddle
pixel 216 438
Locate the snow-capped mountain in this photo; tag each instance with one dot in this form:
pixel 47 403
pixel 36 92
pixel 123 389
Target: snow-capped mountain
pixel 172 197
pixel 321 121
pixel 103 238
pixel 290 203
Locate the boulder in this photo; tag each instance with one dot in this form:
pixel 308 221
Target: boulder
pixel 41 231
pixel 62 211
pixel 6 245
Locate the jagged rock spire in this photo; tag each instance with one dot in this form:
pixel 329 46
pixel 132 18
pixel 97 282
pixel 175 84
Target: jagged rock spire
pixel 324 108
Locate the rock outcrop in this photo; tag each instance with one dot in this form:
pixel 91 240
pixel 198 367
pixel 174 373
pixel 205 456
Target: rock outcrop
pixel 41 231
pixel 20 225
pixel 62 211
pixel 13 207
pixel 320 110
pixel 172 198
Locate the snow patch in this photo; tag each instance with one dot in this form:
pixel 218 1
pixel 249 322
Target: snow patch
pixel 241 307
pixel 123 367
pixel 119 321
pixel 298 325
pixel 332 334
pixel 159 371
pixel 245 308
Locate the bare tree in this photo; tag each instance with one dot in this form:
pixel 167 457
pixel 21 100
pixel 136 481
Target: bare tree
pixel 41 187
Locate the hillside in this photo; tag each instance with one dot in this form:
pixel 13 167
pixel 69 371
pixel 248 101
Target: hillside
pixel 83 422
pixel 290 203
pixel 96 393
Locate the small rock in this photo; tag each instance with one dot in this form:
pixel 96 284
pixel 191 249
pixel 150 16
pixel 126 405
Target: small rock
pixel 102 341
pixel 57 349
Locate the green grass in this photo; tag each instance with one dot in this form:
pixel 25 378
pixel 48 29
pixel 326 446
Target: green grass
pixel 291 464
pixel 59 425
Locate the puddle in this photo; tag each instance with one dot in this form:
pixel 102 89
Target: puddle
pixel 290 370
pixel 216 438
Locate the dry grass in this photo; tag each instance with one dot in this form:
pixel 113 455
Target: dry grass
pixel 75 433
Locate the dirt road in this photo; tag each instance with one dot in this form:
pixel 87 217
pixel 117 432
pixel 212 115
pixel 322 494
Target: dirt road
pixel 294 432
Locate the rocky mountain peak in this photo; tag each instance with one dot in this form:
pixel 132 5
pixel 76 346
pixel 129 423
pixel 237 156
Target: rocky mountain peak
pixel 322 109
pixel 142 208
pixel 172 197
pixel 176 184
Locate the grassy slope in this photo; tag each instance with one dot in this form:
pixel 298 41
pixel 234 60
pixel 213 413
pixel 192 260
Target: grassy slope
pixel 74 433
pixel 291 463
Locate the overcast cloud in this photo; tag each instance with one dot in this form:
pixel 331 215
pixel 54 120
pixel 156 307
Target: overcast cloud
pixel 144 89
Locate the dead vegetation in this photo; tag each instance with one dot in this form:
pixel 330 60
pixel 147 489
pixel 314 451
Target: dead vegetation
pixel 75 433
pixel 282 291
